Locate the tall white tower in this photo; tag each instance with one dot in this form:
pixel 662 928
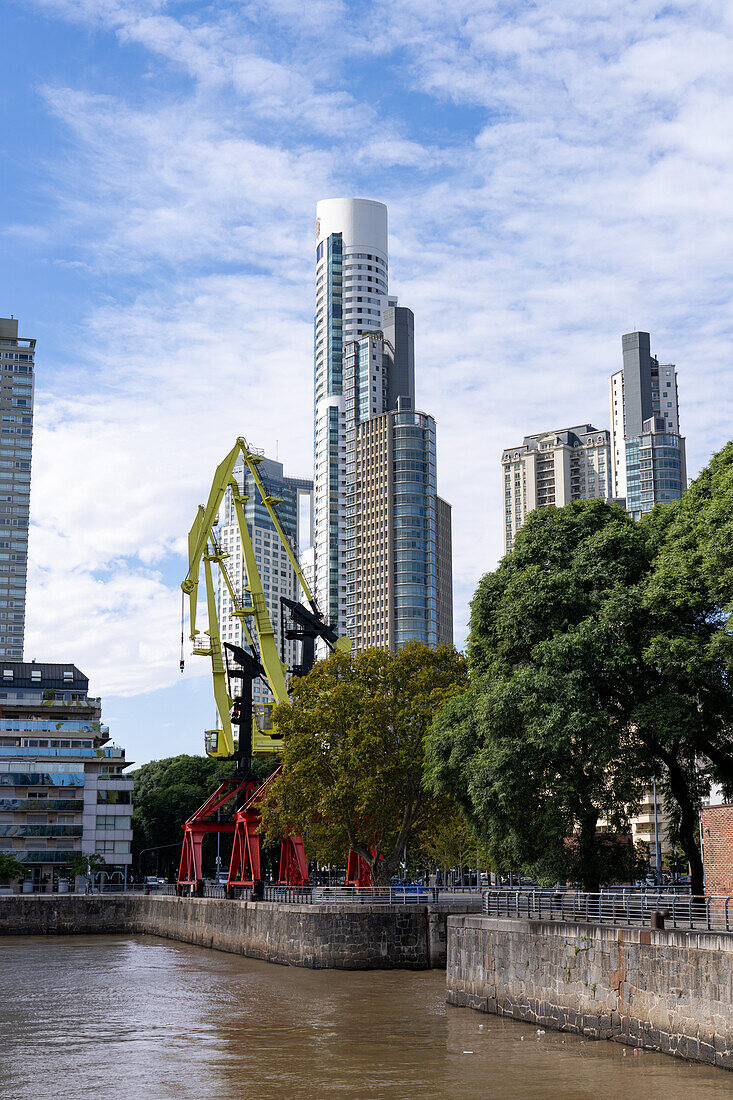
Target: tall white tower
pixel 351 294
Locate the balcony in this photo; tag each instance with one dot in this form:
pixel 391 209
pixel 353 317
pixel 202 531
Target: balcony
pixel 41 805
pixel 46 857
pixel 90 754
pixel 48 725
pixel 40 830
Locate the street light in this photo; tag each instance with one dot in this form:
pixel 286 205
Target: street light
pixel 657 846
pixel 155 848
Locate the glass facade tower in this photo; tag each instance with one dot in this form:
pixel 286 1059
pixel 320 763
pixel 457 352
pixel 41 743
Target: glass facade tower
pixel 16 408
pixel 376 511
pixel 647 450
pixel 351 292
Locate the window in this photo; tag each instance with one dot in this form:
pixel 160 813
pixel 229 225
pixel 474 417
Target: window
pixel 36 675
pixel 111 821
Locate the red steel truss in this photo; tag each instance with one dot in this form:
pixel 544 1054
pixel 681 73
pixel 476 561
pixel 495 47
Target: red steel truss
pixel 199 824
pixel 357 871
pixel 245 867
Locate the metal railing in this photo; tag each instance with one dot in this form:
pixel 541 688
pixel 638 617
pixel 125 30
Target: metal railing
pixel 371 895
pixel 608 907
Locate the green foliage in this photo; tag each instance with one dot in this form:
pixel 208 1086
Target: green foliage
pixel 80 864
pixel 353 752
pixel 601 653
pixel 694 568
pixel 11 869
pixel 689 602
pixel 445 840
pixel 537 748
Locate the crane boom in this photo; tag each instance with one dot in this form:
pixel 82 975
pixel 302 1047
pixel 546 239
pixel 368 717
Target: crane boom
pixel 203 546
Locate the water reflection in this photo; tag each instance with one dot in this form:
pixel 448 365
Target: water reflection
pixel 117 1016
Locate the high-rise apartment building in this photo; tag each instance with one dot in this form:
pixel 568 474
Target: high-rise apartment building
pixel 16 410
pixel 63 791
pixel 398 535
pixel 351 292
pixel 278 575
pixel 382 543
pixel 554 468
pixel 648 452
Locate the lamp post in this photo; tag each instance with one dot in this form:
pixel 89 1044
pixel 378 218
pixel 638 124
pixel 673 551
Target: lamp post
pixel 657 849
pixel 155 848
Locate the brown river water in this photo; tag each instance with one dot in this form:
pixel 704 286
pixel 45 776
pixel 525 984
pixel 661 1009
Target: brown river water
pixel 136 1016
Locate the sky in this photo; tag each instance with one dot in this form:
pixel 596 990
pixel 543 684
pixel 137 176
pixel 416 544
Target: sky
pixel 556 174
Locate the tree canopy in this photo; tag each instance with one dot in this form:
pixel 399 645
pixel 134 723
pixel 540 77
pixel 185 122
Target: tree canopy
pixel 600 655
pixel 11 869
pixel 354 732
pixel 537 747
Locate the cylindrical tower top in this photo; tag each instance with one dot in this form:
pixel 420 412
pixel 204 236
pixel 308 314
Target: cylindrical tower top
pixel 362 222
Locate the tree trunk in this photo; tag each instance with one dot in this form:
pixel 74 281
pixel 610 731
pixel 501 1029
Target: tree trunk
pixel 588 867
pixel 688 821
pixel 721 759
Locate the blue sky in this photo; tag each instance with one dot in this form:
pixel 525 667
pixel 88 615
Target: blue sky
pixel 556 175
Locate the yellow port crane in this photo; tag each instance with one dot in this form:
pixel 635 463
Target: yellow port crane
pixel 255 733
pixel 251 607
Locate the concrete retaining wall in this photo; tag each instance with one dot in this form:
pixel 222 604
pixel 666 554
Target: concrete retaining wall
pixel 343 937
pixel 669 991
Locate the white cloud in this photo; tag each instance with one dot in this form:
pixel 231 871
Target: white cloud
pixel 569 181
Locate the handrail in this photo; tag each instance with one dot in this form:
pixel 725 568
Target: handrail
pixel 679 910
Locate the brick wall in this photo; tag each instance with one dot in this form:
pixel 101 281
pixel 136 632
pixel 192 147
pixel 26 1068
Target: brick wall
pixel 717 839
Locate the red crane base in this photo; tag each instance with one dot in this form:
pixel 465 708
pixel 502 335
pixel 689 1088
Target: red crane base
pixel 245 866
pixel 190 871
pixel 357 871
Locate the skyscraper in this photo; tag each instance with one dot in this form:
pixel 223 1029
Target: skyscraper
pixel 351 292
pixel 278 575
pixel 554 468
pixel 648 453
pixel 16 410
pixel 382 544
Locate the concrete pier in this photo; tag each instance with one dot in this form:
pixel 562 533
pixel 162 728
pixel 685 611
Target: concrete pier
pixel 665 990
pixel 356 936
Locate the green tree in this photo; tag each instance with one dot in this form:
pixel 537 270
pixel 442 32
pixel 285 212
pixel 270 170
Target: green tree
pixel 539 748
pixel 353 751
pixel 600 653
pixel 446 841
pixel 11 869
pixel 689 603
pixel 82 864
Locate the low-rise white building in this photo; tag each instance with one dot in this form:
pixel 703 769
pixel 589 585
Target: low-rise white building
pixel 63 787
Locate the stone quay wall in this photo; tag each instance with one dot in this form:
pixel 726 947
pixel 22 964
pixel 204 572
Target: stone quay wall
pixel 357 936
pixel 669 991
